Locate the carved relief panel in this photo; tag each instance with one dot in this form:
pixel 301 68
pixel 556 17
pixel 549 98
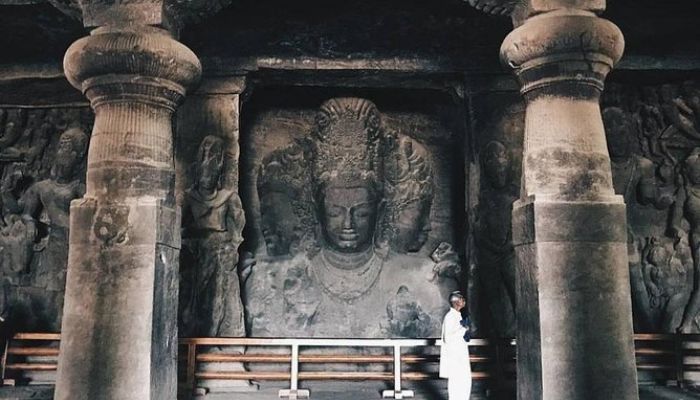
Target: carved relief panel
pixel 42 164
pixel 348 202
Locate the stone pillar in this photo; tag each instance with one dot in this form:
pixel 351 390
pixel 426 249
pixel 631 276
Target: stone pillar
pixel 119 333
pixel 575 338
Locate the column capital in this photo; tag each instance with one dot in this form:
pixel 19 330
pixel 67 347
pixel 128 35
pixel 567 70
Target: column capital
pixel 563 52
pixel 144 65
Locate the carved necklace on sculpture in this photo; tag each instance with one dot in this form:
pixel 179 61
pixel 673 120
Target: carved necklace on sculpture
pixel 335 275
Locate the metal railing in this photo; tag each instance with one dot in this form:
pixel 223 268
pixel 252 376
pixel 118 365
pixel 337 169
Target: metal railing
pixel 667 355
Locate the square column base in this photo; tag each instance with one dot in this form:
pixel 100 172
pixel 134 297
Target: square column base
pixel 575 338
pixel 119 336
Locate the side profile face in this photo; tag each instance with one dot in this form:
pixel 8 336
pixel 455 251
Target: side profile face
pixel 412 226
pixel 211 153
pixel 278 222
pixel 348 218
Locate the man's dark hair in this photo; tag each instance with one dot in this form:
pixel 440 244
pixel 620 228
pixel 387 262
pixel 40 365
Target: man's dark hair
pixel 454 296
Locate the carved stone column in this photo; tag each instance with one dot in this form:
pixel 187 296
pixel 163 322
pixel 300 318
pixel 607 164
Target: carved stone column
pixel 575 338
pixel 119 333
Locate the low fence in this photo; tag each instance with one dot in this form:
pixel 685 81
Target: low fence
pixel 668 357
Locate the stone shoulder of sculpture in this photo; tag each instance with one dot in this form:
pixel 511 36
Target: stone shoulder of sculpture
pixel 37 189
pixel 344 215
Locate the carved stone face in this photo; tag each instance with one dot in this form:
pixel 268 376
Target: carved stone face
pixel 348 218
pixel 658 256
pixel 211 155
pixel 68 154
pixel 496 164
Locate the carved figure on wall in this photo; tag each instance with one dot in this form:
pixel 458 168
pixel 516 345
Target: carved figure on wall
pixel 364 188
pixel 688 206
pixel 667 281
pixel 634 178
pixel 213 221
pixel 495 241
pixel 679 112
pixel 17 235
pixel 409 188
pixel 48 202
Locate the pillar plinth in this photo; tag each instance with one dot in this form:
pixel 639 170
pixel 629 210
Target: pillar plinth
pixel 119 333
pixel 575 338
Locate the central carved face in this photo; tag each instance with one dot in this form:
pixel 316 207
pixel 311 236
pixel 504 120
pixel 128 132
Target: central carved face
pixel 349 216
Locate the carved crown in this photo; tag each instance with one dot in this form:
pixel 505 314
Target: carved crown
pixel 348 132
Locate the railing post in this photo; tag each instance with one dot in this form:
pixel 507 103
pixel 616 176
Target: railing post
pixel 499 367
pixel 3 362
pixel 678 357
pixel 397 393
pixel 191 366
pixel 294 393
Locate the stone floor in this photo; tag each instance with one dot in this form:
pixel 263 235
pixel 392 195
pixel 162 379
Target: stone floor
pixel 339 391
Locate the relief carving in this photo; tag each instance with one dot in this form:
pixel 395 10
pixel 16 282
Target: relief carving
pixel 210 297
pixel 37 189
pixel 653 136
pixel 365 212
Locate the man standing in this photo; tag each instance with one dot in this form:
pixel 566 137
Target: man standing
pixel 454 352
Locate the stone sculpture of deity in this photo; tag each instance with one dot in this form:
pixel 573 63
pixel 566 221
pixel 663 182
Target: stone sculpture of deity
pixel 48 202
pixel 688 205
pixel 213 220
pixel 668 282
pixel 495 239
pixel 370 195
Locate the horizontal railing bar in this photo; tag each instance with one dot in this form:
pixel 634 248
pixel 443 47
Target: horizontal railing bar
pixel 31 367
pixel 37 336
pixel 323 358
pixel 32 351
pixel 324 375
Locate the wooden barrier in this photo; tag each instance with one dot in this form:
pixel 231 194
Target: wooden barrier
pixel 664 354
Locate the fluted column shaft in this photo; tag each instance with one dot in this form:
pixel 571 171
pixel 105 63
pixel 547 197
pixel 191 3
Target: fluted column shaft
pixel 575 338
pixel 119 333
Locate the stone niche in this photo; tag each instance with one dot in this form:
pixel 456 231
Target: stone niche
pixel 355 210
pixel 42 169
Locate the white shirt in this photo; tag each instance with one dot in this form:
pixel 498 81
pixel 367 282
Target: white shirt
pixel 454 352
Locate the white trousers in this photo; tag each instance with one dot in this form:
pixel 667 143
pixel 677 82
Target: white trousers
pixel 459 388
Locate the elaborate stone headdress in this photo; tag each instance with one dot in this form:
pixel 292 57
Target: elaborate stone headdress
pixel 348 132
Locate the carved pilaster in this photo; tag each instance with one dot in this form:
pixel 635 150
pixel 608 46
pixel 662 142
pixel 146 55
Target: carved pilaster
pixel 119 333
pixel 574 313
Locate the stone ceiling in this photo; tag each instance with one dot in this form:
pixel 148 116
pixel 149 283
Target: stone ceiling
pixel 448 35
